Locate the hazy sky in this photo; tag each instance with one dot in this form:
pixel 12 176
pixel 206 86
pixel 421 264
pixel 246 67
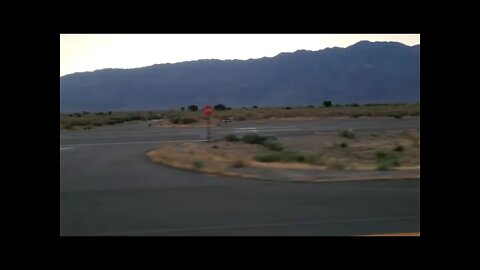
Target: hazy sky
pixel 89 52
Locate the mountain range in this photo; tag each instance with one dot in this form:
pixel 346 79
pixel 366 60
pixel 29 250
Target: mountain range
pixel 366 72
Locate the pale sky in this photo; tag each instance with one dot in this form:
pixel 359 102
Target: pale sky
pixel 89 52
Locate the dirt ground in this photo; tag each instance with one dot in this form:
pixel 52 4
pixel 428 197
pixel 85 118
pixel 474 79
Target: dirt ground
pixel 237 158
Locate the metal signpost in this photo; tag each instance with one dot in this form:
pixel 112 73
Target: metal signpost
pixel 207 110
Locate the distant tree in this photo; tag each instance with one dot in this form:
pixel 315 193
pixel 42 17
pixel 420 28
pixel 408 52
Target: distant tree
pixel 193 108
pixel 327 103
pixel 219 107
pixel 255 106
pixel 183 108
pixel 110 113
pixel 85 112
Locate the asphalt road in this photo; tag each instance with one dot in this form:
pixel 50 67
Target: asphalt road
pixel 109 187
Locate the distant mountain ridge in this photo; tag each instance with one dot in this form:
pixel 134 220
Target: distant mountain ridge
pixel 366 72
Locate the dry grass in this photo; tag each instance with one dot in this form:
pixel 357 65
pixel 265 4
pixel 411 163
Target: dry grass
pixel 320 152
pixel 70 121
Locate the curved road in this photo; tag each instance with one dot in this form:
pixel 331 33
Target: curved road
pixel 109 187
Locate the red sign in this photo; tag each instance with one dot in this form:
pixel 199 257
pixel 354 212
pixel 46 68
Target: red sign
pixel 207 110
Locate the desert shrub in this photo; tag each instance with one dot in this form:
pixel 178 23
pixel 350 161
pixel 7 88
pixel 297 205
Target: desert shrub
pixel 174 120
pixel 98 124
pixel 198 164
pixel 273 144
pixel 397 115
pixel 239 118
pixel 347 133
pixel 238 164
pixel 384 166
pixel 255 138
pixel 231 138
pixel 343 145
pixel 281 156
pixel 336 165
pixel 327 103
pixel 188 120
pixel 398 148
pixel 386 160
pixel 380 155
pixel 288 108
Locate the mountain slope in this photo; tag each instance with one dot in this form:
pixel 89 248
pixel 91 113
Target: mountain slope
pixel 365 72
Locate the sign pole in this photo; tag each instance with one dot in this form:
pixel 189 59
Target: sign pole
pixel 207 110
pixel 208 128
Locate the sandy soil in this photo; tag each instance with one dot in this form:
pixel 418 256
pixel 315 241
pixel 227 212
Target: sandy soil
pixel 228 158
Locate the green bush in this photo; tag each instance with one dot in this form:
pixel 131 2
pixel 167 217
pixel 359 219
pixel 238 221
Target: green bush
pixel 387 160
pixel 231 138
pixel 347 133
pixel 188 120
pixel 281 156
pixel 273 145
pixel 380 155
pixel 198 164
pixel 384 166
pixel 255 138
